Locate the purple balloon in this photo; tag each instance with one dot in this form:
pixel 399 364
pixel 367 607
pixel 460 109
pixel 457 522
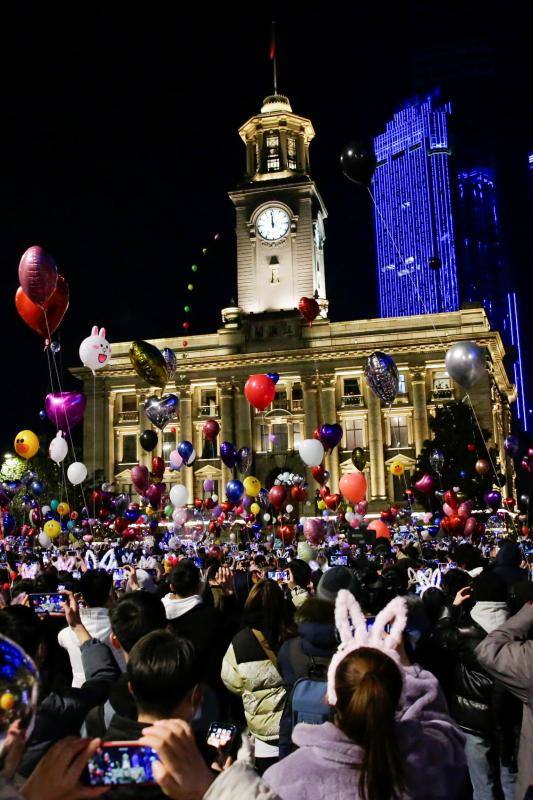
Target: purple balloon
pixel 65 409
pixel 314 530
pixel 493 499
pixel 37 275
pixel 153 494
pixel 139 477
pixel 176 461
pixel 209 485
pixel 244 459
pixel 228 454
pixel 425 484
pixel 330 435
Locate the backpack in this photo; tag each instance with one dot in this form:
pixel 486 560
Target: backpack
pixel 308 698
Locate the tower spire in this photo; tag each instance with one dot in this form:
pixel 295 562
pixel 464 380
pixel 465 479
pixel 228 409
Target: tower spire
pixel 273 57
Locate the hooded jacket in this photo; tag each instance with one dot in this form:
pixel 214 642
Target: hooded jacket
pixel 327 762
pixel 248 671
pixel 507 564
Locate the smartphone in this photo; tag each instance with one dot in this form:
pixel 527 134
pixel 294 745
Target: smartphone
pixel 76 574
pixel 49 603
pixel 221 734
pixel 118 575
pixel 120 763
pixel 151 572
pixel 200 562
pixel 338 560
pixel 279 575
pixel 370 624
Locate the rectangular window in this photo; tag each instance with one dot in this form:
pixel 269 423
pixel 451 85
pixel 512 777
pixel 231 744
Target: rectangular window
pixel 265 440
pixel 169 443
pixel 273 164
pixel 399 432
pixel 129 402
pixel 129 449
pixel 209 449
pixel 291 152
pixel 354 433
pixel 281 400
pixel 441 380
pixel 402 384
pixel 280 437
pixel 272 151
pixel 297 434
pixel 351 387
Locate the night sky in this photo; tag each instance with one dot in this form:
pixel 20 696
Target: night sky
pixel 120 144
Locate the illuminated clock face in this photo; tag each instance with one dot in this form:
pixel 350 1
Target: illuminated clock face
pixel 273 224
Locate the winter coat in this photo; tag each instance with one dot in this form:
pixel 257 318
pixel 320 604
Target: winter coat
pixel 96 620
pixel 206 628
pixel 248 671
pixel 326 763
pixel 507 654
pixel 296 659
pixel 507 564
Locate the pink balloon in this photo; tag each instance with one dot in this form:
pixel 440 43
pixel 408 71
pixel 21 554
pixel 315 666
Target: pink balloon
pixel 37 275
pixel 427 517
pixel 465 509
pixel 314 530
pixel 175 460
pixel 140 477
pixel 448 510
pixel 180 516
pixel 426 484
pixel 353 486
pixel 355 522
pixel 470 526
pixel 381 528
pixel 362 507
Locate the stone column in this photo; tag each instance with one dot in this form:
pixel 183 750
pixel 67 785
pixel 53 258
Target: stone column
pixel 227 434
pixel 95 436
pixel 144 425
pixel 109 444
pixel 420 411
pixel 310 405
pixel 186 434
pixel 329 414
pixel 243 418
pixel 375 446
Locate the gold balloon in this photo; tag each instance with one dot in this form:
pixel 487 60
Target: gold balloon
pixel 26 444
pixel 63 509
pixel 148 363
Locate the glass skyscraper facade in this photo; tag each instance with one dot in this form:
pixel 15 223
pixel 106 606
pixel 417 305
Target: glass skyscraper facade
pixel 417 269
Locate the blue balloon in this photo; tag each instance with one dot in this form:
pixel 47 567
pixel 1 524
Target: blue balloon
pixel 274 377
pixel 234 491
pixel 131 514
pixel 42 414
pixel 8 522
pixel 185 449
pixel 37 488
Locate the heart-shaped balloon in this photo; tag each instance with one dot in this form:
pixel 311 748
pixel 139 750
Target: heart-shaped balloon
pixel 44 320
pixel 161 410
pixel 65 409
pixel 425 484
pixel 319 474
pixel 332 501
pixel 330 435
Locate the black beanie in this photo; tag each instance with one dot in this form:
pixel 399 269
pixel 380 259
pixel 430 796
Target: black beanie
pixel 489 587
pixel 333 581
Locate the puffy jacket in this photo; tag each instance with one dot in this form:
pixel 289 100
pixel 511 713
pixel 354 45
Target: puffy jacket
pixel 248 672
pixel 471 689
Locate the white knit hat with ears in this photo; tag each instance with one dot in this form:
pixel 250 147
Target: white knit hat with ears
pixel 351 624
pixel 425 578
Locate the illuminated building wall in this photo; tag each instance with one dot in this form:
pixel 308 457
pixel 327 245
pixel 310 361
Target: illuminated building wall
pixel 413 213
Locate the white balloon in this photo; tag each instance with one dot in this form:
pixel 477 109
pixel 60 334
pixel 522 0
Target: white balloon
pixel 192 458
pixel 289 508
pixel 77 472
pixel 266 517
pixel 44 540
pixel 45 510
pixel 179 495
pixel 58 448
pixel 214 498
pixel 311 452
pixel 232 537
pixel 95 350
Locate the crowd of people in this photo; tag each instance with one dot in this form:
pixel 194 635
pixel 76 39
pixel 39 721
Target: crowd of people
pixel 383 669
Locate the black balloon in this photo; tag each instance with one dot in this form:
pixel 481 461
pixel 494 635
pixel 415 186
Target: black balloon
pixel 148 440
pixel 358 163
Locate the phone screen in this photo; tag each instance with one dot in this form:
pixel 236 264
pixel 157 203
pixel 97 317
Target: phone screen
pixel 200 562
pixel 120 763
pixel 279 575
pixel 220 734
pixel 48 603
pixel 118 575
pixel 338 560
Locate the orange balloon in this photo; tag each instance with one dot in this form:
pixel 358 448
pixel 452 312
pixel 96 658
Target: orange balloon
pixel 353 486
pixel 381 528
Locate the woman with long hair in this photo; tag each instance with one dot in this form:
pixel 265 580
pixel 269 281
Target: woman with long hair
pixel 250 667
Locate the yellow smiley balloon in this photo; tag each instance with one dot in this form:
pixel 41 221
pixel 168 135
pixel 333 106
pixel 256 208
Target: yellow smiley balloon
pixel 252 486
pixel 52 528
pixel 26 444
pixel 255 508
pixel 397 468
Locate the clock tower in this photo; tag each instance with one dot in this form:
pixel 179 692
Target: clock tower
pixel 280 214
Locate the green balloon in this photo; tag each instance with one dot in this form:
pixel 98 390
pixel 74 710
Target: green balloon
pixel 190 287
pixel 194 268
pixel 186 309
pixel 168 511
pixel 54 504
pixel 359 458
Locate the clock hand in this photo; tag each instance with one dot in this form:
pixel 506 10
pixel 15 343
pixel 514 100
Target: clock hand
pixel 272 218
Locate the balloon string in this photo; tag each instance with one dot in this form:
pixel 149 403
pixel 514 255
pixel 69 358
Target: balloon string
pixel 424 306
pixel 94 444
pixel 66 417
pixel 472 409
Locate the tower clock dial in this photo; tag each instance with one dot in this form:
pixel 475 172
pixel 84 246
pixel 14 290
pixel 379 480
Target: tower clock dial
pixel 273 224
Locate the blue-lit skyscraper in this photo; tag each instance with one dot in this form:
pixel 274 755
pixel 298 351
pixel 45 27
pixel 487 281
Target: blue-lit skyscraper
pixel 417 268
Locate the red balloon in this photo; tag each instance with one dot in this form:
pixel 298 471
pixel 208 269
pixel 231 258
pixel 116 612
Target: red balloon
pixel 353 486
pixel 298 494
pixel 37 275
pixel 451 498
pixel 381 528
pixel 308 308
pixel 158 467
pixel 470 526
pixel 332 501
pixel 120 525
pixel 471 448
pixel 386 515
pixel 316 434
pixel 260 391
pixel 319 474
pixel 55 309
pixel 324 491
pixel 211 429
pixel 227 506
pixel 509 502
pixel 286 533
pixel 456 525
pixel 198 502
pixel 277 496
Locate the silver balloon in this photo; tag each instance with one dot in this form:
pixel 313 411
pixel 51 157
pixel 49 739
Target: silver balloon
pixel 160 410
pixel 465 363
pixel 382 376
pixel 436 460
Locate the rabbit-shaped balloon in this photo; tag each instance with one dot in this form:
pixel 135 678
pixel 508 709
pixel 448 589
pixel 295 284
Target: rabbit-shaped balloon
pixel 352 628
pixel 95 350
